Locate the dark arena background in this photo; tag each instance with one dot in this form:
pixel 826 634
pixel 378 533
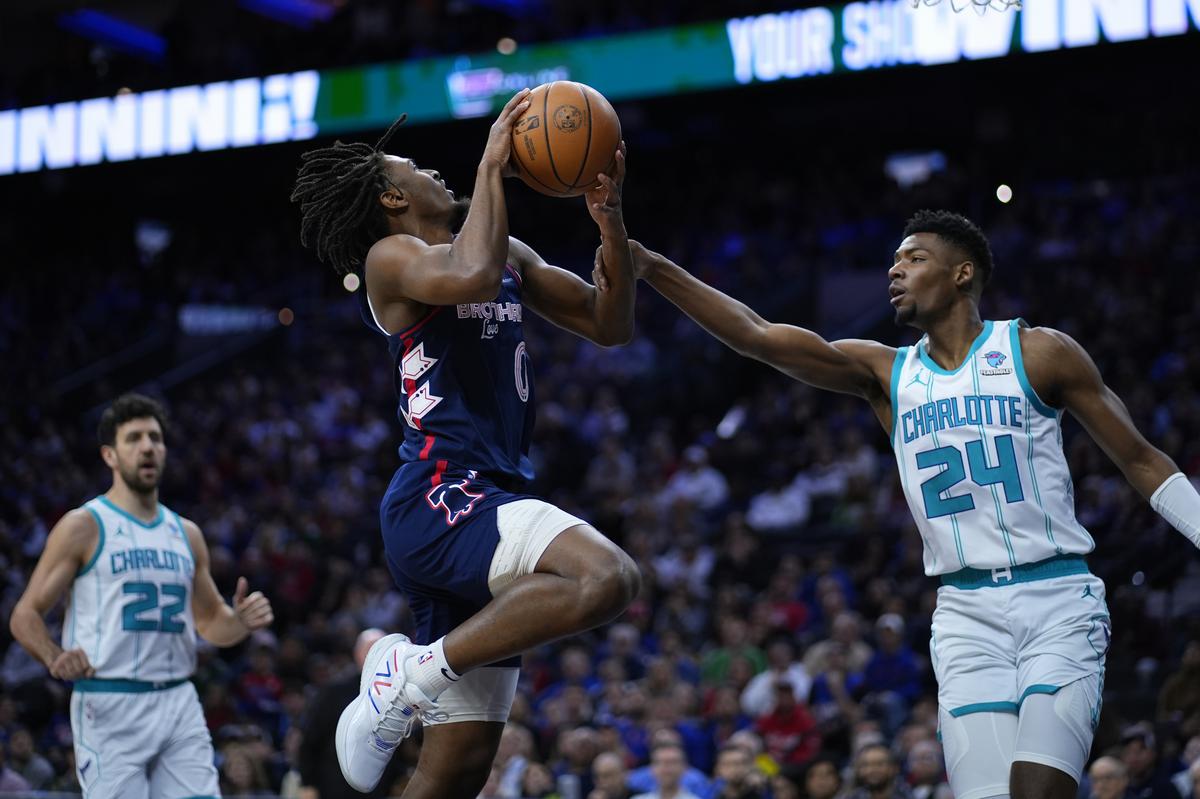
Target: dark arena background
pixel 775 150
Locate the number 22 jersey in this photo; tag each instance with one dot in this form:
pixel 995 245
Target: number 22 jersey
pixel 981 459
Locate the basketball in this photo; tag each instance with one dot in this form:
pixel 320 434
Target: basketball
pixel 566 137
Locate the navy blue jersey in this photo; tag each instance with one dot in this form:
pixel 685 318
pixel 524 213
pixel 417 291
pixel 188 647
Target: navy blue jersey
pixel 466 387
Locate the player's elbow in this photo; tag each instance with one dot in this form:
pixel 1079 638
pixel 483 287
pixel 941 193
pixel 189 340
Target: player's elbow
pixel 614 335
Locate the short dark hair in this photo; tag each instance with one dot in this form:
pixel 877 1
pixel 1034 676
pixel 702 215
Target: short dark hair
pixel 126 408
pixel 959 231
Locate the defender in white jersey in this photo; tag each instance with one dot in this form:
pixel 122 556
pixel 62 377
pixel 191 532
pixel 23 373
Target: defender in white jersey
pixel 138 589
pixel 973 410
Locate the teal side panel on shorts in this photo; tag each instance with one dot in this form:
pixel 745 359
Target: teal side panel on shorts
pixel 986 707
pixel 206 796
pixel 1039 688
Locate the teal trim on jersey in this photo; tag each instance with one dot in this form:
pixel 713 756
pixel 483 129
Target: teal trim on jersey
pixel 1019 365
pixel 897 368
pixel 1038 688
pixel 1058 566
pixel 986 707
pixel 148 525
pixel 183 531
pixel 202 796
pixel 1012 556
pixel 99 544
pixel 933 367
pixel 953 517
pixel 1037 494
pixel 97 686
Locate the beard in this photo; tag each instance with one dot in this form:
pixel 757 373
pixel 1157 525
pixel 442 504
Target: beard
pixel 458 213
pixel 132 478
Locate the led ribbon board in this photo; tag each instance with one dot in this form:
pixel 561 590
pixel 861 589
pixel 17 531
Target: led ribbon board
pixel 852 37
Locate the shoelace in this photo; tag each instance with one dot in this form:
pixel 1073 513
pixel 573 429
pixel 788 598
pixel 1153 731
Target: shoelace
pixel 395 721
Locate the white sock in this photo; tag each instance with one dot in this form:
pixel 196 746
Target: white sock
pixel 430 672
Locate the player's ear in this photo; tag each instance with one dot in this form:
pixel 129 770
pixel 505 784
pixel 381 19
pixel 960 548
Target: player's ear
pixel 964 275
pixel 109 456
pixel 393 199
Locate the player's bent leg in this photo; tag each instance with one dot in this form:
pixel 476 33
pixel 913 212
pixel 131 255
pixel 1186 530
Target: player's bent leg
pixel 455 760
pixel 1054 738
pixel 580 580
pixel 979 751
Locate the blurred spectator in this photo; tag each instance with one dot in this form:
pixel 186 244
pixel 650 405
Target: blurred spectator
pixel 538 783
pixel 10 781
pixel 789 733
pixel 241 771
pixel 782 506
pixel 696 482
pixel 320 774
pixel 667 763
pixel 847 634
pixel 1193 773
pixel 893 676
pixel 33 768
pixel 609 776
pixel 876 775
pixel 735 643
pixel 926 771
pixel 822 779
pixel 1147 778
pixel 1188 758
pixel 515 753
pixel 1108 779
pixel 736 776
pixel 687 564
pixel 1179 701
pixel 759 697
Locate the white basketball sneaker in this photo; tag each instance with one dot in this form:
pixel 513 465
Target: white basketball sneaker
pixel 384 713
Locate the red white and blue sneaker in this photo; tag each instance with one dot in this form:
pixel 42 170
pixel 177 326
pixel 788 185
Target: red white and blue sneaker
pixel 384 713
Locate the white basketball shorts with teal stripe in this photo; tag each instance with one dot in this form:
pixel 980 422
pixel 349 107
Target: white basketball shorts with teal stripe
pixel 136 740
pixel 1002 636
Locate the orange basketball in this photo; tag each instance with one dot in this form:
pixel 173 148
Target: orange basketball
pixel 567 136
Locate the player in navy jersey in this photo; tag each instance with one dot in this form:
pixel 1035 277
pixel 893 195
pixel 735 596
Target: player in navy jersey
pixel 490 571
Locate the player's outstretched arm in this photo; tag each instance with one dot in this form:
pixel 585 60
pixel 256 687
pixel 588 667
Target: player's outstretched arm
pixel 849 366
pixel 404 268
pixel 217 622
pixel 601 313
pixel 69 547
pixel 1063 374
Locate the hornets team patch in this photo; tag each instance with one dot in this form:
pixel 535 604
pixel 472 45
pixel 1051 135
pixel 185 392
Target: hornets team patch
pixel 995 360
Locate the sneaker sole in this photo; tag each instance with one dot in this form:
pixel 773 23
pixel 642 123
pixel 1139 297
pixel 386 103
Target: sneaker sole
pixel 343 727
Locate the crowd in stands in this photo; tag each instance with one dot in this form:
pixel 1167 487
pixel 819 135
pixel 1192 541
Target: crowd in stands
pixel 779 647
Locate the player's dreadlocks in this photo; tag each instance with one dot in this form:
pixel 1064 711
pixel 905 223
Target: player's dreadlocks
pixel 338 190
pixel 962 233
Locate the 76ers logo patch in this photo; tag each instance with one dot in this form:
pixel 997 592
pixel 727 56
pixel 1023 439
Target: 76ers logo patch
pixel 454 499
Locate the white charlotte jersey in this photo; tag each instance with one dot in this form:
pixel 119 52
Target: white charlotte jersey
pixel 130 608
pixel 981 458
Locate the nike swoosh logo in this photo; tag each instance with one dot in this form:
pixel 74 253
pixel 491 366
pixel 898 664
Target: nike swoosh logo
pixel 446 674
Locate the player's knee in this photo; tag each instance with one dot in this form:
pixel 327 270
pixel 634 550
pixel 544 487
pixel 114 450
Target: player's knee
pixel 609 587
